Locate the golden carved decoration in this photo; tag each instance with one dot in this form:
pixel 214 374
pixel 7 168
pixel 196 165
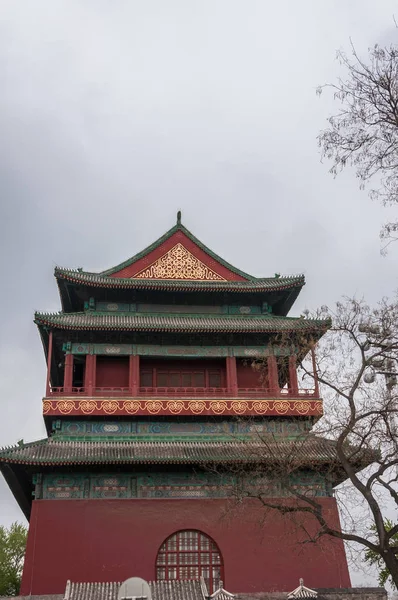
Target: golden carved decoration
pixel 154 406
pixel 282 407
pixel 175 406
pixel 319 407
pixel 302 407
pixel 179 263
pixel 110 406
pixel 66 406
pixel 88 406
pixel 131 407
pixel 197 407
pixel 239 407
pixel 261 407
pixel 178 406
pixel 47 406
pixel 218 407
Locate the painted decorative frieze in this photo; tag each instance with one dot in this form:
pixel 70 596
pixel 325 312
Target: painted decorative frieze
pixel 176 351
pixel 170 485
pixel 76 428
pixel 178 406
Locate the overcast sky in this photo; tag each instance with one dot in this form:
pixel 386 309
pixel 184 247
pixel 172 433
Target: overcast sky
pixel 114 115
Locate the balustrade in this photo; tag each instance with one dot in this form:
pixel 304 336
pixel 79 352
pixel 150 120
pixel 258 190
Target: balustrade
pixel 188 392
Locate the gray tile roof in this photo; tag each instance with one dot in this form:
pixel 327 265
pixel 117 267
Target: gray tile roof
pixel 302 592
pixel 180 323
pixel 221 594
pixel 35 597
pixel 53 450
pixel 161 590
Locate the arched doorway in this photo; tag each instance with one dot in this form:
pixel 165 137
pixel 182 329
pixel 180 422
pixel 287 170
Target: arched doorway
pixel 188 555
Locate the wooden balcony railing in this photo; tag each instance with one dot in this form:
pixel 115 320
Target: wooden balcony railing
pixel 182 392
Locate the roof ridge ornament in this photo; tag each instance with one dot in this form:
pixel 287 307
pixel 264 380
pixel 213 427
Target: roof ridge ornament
pixel 221 593
pixel 179 218
pixel 302 592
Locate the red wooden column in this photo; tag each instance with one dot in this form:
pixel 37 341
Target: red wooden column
pixel 232 375
pixel 293 383
pixel 94 371
pixel 273 375
pixel 134 374
pixel 68 373
pixel 49 359
pixel 89 379
pixel 228 373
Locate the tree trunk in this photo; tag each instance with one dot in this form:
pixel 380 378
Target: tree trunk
pixel 391 561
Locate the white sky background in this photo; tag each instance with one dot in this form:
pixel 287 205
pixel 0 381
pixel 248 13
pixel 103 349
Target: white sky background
pixel 114 115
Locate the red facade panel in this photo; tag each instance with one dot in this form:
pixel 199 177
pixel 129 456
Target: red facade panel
pixel 112 371
pixel 247 376
pixel 111 540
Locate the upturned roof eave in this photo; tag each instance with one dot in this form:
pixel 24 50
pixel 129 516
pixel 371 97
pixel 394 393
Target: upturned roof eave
pixel 259 285
pixel 19 484
pixel 18 470
pixel 68 279
pixel 57 450
pixel 181 323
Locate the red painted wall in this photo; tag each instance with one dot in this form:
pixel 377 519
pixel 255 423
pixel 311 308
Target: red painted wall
pixel 247 376
pixel 112 372
pixel 111 540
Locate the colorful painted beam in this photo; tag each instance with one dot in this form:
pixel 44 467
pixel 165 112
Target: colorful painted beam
pixel 175 351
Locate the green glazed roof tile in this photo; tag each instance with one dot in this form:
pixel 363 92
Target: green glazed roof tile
pixel 309 449
pixel 180 323
pixel 268 284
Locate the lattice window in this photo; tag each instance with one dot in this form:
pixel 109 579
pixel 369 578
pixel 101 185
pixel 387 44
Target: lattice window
pixel 181 378
pixel 187 555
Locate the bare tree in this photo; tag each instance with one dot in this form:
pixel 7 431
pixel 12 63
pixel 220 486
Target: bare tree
pixel 356 440
pixel 364 132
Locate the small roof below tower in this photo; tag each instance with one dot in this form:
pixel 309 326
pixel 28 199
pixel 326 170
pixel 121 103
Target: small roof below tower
pixel 221 594
pixel 302 592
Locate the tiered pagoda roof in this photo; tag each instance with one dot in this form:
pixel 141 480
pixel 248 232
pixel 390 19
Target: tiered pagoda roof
pixel 175 285
pixel 175 266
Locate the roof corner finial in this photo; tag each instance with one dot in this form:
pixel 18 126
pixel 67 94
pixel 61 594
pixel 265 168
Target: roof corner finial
pixel 67 590
pixel 301 581
pixel 179 218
